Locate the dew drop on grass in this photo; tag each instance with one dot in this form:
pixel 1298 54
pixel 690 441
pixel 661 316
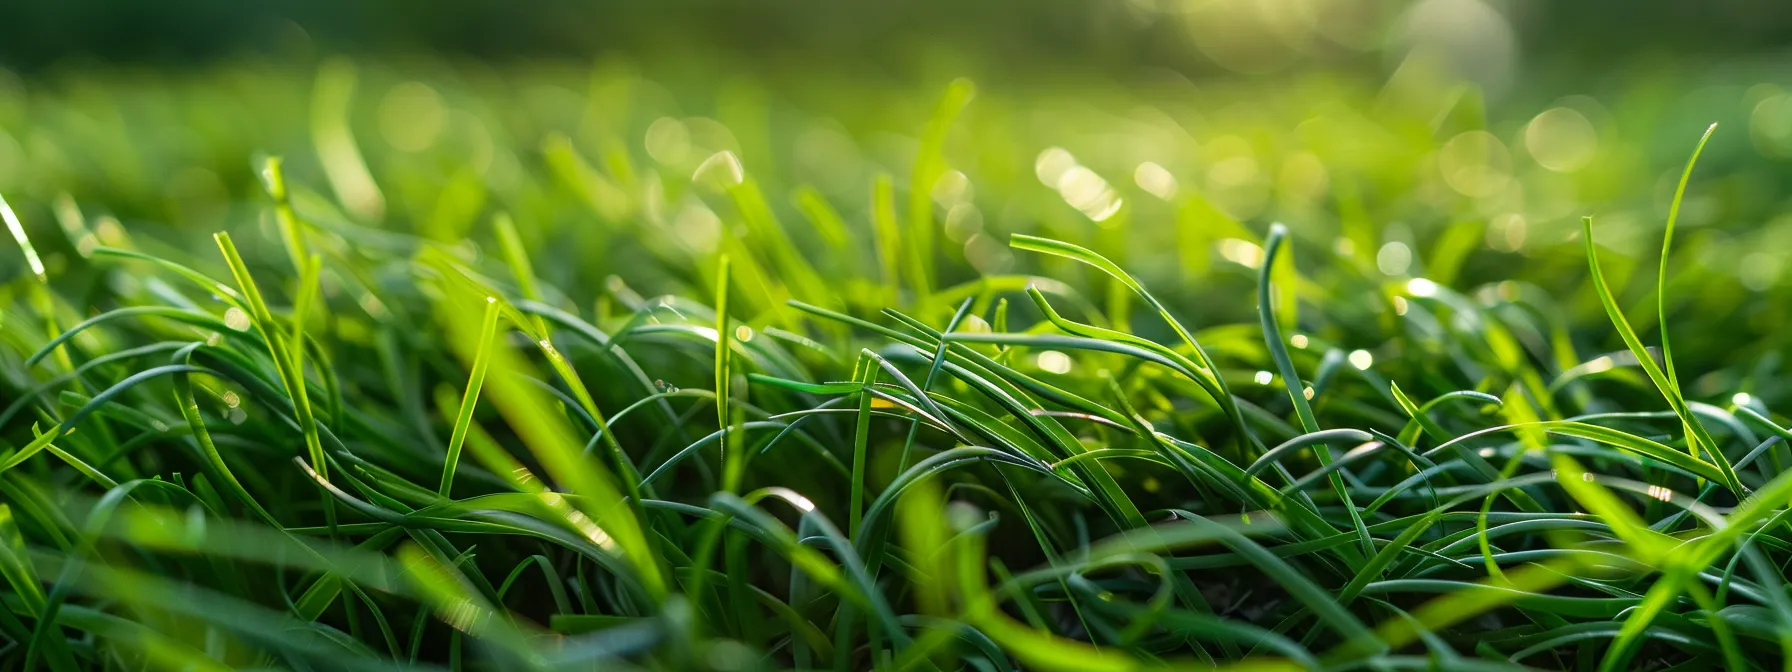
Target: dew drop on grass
pixel 236 319
pixel 1053 361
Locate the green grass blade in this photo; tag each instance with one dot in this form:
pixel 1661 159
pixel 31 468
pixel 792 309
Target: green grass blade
pixel 1297 391
pixel 861 439
pixel 1205 363
pixel 733 464
pixel 1701 438
pixel 516 256
pixel 282 352
pixel 463 418
pixel 18 235
pixel 1667 242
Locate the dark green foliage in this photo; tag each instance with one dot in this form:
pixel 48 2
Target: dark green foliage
pixel 383 436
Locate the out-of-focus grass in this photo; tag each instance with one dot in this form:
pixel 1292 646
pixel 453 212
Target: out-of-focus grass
pixel 1465 191
pixel 556 368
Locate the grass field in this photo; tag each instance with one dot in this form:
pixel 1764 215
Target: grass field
pixel 558 368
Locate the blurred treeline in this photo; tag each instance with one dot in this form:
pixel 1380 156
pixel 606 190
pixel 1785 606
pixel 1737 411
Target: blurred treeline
pixel 1038 35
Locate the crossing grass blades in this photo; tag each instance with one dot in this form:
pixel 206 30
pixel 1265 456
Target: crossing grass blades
pixel 371 450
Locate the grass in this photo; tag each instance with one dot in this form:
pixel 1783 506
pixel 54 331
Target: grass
pixel 455 434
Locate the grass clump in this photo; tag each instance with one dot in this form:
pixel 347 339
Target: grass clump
pixel 405 446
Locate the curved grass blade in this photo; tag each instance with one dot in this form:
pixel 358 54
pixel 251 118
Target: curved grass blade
pixel 1086 256
pixel 1297 392
pixel 1667 242
pixel 1700 437
pixel 463 418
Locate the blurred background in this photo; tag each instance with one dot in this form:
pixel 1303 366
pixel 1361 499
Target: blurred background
pixel 1456 140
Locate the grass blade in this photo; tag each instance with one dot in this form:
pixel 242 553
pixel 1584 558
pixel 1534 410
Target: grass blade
pixel 1297 391
pixel 463 418
pixel 1701 439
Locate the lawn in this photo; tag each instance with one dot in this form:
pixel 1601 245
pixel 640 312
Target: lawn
pixel 435 365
